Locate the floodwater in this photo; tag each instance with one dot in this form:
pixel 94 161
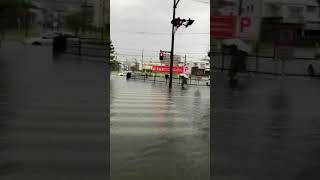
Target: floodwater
pixel 157 134
pixel 53 116
pixel 267 127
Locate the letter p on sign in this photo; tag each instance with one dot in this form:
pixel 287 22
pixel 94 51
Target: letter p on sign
pixel 244 23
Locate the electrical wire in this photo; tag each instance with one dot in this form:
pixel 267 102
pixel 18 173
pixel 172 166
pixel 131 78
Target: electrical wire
pixel 139 55
pixel 155 51
pixel 159 33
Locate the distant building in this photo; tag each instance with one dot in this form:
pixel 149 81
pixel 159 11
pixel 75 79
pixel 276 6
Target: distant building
pixel 51 13
pixel 302 16
pixel 148 66
pixel 167 58
pixel 199 66
pixel 224 8
pixel 97 11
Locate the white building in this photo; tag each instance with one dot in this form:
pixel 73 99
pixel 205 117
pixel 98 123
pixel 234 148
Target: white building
pixel 199 64
pixel 305 12
pixel 224 8
pixel 148 65
pixel 167 58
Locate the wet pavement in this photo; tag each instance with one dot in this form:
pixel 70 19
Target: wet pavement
pixel 159 135
pixel 53 116
pixel 267 127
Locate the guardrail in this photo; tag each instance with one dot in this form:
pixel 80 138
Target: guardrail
pixel 193 81
pixel 269 64
pixel 87 47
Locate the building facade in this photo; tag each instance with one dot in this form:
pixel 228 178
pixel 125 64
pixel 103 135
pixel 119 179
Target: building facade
pixel 101 13
pixel 302 16
pixel 202 66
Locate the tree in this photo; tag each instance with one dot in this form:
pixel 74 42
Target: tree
pixel 112 52
pixel 114 64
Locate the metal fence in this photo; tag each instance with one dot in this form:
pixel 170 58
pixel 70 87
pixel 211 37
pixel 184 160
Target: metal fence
pixel 193 81
pixel 266 64
pixel 87 47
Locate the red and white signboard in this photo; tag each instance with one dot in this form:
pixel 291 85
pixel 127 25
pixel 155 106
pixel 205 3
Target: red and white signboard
pixel 223 27
pixel 166 69
pixel 248 28
pixel 229 27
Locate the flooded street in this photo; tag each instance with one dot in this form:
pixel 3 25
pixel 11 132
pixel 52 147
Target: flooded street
pixel 159 135
pixel 266 128
pixel 53 124
pixel 53 116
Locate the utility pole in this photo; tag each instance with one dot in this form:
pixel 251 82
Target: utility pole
pixel 142 60
pixel 240 7
pixel 185 60
pixel 176 23
pixel 172 42
pixel 137 65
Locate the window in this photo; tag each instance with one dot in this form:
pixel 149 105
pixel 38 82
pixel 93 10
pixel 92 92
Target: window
pixel 295 12
pixel 311 9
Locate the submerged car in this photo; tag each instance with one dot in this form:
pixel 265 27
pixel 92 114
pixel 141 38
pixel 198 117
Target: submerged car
pixel 44 39
pixel 121 74
pixel 47 38
pixel 184 76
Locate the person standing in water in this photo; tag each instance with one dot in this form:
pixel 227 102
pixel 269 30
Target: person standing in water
pixel 237 62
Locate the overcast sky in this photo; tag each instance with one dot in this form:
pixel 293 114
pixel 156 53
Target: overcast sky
pixel 145 24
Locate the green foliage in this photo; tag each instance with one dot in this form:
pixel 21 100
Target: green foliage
pixel 114 64
pixel 112 52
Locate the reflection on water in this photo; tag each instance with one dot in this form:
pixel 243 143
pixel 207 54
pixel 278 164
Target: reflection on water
pixel 156 133
pixel 266 128
pixel 5 115
pixel 53 122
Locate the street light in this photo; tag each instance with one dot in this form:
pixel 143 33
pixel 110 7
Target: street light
pixel 176 23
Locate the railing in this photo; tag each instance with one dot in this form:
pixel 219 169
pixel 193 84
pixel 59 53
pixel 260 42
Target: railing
pixel 87 47
pixel 194 81
pixel 269 64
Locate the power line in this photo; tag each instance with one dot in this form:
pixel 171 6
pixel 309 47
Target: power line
pixel 156 51
pixel 139 55
pixel 160 33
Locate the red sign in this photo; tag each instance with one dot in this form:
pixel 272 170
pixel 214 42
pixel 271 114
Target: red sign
pixel 229 27
pixel 245 22
pixel 223 27
pixel 166 69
